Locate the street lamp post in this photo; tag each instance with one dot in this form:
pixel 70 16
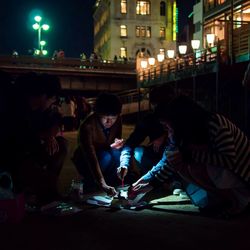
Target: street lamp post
pixel 182 52
pixel 151 62
pixel 160 59
pixel 39 27
pixel 210 41
pixel 195 45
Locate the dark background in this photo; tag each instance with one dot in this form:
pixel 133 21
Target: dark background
pixel 71 25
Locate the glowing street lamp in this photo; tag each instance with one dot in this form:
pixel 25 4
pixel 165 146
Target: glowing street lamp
pixel 182 49
pixel 43 51
pixel 160 57
pixel 144 64
pixel 195 44
pixel 151 61
pixel 210 39
pixel 170 53
pixel 39 27
pixel 42 43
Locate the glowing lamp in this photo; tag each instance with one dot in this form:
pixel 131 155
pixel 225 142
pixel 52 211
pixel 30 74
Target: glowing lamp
pixel 170 53
pixel 182 49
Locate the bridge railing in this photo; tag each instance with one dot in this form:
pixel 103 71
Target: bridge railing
pixel 74 63
pixel 181 67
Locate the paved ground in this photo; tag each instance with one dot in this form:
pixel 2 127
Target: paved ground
pixel 168 224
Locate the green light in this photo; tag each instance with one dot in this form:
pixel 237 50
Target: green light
pixel 38 19
pixel 35 26
pixel 191 14
pixel 214 49
pixel 174 21
pixel 37 52
pixel 45 26
pixel 42 43
pixel 177 20
pixel 45 52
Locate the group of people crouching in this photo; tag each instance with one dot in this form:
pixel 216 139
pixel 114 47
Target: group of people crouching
pixel 204 152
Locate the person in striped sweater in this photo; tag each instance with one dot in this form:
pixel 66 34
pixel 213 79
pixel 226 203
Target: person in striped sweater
pixel 206 150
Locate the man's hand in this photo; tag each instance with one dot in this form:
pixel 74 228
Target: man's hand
pixel 139 184
pixel 108 189
pixel 122 172
pixel 118 143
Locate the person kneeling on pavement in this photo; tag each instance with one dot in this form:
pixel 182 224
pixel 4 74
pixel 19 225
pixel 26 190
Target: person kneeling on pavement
pixel 209 153
pixel 99 141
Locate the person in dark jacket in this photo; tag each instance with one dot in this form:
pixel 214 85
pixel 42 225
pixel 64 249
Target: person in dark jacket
pixel 38 147
pixel 99 141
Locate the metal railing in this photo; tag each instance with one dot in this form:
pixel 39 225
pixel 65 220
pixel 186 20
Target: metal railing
pixel 199 62
pixel 67 63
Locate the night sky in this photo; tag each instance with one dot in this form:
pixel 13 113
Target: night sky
pixel 71 25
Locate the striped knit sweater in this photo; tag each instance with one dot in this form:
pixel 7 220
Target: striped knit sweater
pixel 229 148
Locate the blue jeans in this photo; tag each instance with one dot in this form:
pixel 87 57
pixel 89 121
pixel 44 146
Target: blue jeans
pixel 109 161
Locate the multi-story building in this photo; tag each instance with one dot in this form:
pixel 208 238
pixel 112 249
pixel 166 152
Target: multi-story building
pixel 125 28
pixel 215 17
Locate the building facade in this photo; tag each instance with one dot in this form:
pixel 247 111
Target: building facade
pixel 129 28
pixel 233 34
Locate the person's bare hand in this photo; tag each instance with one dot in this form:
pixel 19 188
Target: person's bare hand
pixel 108 189
pixel 139 184
pixel 118 143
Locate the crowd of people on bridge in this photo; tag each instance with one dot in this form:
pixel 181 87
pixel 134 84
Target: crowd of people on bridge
pixel 189 147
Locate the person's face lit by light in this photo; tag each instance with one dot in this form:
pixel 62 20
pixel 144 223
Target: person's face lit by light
pixel 108 121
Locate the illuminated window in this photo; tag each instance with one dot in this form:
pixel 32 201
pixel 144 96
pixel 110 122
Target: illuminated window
pixel 163 9
pixel 137 31
pixel 238 23
pixel 123 52
pixel 123 31
pixel 148 31
pixel 123 6
pixel 143 31
pixel 162 32
pixel 143 8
